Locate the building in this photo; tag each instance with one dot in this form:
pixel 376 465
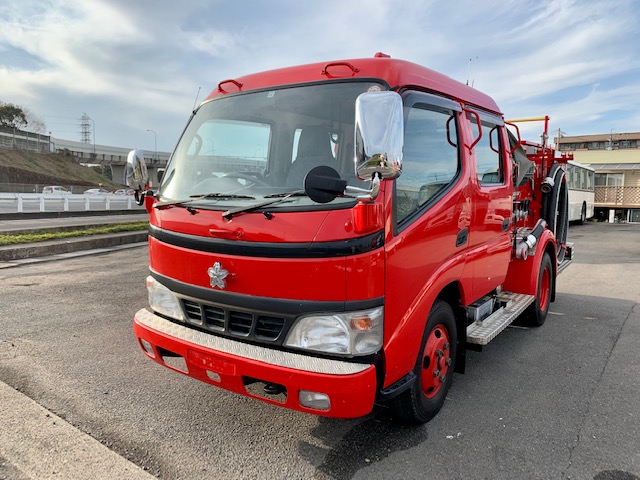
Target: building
pixel 615 157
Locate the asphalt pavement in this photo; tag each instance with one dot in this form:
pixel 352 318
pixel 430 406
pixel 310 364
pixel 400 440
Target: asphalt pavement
pixel 35 443
pixel 560 401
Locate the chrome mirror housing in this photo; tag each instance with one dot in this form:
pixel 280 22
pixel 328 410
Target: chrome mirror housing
pixel 135 171
pixel 379 135
pixel 136 175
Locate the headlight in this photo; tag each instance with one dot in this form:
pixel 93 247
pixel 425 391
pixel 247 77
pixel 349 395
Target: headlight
pixel 351 333
pixel 162 300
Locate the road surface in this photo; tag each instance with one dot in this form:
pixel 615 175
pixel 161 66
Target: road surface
pixel 557 402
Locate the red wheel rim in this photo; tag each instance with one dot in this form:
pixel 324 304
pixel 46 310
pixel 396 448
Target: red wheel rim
pixel 545 284
pixel 436 359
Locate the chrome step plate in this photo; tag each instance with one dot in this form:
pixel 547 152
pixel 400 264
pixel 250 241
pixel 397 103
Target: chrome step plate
pixel 481 333
pixel 562 265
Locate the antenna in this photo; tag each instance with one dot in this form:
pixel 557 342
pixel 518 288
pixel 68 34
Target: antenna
pixel 560 135
pixel 196 100
pixel 469 73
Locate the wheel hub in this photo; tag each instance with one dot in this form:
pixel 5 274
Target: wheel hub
pixel 436 360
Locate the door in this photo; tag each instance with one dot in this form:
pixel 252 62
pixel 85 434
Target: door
pixel 490 231
pixel 431 210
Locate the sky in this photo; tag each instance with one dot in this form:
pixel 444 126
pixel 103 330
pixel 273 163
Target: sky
pixel 139 65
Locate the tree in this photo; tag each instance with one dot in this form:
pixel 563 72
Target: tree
pixel 36 124
pixel 12 116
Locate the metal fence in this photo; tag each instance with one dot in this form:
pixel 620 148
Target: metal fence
pixel 32 202
pixel 22 140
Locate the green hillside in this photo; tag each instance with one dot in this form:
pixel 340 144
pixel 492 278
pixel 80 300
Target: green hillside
pixel 18 167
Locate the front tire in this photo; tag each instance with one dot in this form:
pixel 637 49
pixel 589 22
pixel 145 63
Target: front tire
pixel 434 368
pixel 536 314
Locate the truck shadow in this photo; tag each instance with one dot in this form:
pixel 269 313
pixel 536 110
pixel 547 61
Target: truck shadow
pixel 364 443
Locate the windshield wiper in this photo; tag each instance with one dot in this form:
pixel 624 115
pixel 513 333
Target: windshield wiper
pixel 297 193
pixel 283 197
pixel 192 198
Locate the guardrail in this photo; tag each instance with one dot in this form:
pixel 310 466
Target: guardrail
pixel 37 202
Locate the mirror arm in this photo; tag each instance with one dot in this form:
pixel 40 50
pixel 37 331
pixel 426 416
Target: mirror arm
pixel 365 195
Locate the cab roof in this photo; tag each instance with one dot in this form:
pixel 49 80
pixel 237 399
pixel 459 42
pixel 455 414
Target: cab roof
pixel 397 73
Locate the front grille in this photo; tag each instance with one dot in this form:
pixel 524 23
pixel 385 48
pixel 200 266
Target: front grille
pixel 234 322
pixel 240 323
pixel 214 316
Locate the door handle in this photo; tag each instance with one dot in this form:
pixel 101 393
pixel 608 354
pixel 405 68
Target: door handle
pixel 463 236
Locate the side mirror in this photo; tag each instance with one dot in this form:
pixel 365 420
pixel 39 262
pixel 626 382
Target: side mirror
pixel 323 184
pixel 135 174
pixel 379 135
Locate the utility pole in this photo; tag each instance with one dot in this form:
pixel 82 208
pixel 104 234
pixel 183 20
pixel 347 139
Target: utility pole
pixel 155 143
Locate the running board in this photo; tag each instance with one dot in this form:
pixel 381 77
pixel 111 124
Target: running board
pixel 569 255
pixel 481 333
pixel 562 265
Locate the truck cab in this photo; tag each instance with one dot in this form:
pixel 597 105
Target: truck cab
pixel 325 235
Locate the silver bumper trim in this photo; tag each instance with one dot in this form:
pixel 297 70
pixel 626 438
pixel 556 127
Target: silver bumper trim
pixel 253 352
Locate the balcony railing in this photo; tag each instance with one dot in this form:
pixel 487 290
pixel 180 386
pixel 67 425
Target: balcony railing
pixel 618 196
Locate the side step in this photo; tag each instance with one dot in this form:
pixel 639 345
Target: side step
pixel 482 332
pixel 568 257
pixel 564 264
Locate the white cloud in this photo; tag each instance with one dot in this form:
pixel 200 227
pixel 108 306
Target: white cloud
pixel 147 59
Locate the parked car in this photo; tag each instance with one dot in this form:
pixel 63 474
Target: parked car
pixel 124 191
pixel 97 191
pixel 56 189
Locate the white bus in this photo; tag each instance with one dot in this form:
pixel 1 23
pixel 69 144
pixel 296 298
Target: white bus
pixel 581 188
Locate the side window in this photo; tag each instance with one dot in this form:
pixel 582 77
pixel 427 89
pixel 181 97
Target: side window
pixel 430 158
pixel 569 175
pixel 489 154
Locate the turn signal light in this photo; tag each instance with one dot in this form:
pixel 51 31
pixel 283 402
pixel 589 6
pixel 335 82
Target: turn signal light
pixel 362 324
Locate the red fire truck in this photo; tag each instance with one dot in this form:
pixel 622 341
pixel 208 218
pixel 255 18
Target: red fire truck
pixel 331 236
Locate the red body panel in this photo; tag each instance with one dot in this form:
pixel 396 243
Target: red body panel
pixel 299 279
pixel 523 274
pixel 421 261
pixel 351 395
pixel 490 246
pixel 465 240
pixel 290 227
pixel 354 277
pixel 393 71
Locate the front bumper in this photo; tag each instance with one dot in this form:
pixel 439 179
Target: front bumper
pixel 235 366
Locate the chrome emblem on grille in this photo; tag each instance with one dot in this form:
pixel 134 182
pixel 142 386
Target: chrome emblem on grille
pixel 217 274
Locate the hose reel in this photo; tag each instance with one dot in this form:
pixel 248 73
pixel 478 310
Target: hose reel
pixel 555 207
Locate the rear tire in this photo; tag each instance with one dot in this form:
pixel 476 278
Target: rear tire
pixel 536 314
pixel 434 368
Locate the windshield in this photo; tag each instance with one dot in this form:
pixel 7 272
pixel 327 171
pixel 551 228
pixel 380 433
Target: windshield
pixel 244 149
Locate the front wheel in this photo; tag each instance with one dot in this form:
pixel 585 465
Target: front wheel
pixel 536 314
pixel 583 214
pixel 434 368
